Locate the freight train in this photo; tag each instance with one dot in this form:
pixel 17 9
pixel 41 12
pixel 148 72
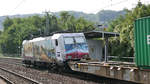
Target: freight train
pixel 56 50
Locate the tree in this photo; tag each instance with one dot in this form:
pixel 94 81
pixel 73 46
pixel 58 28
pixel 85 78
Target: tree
pixel 7 23
pixel 18 29
pixel 125 26
pixel 70 23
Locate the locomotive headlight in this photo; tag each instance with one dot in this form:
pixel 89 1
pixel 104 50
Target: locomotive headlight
pixel 87 57
pixel 69 57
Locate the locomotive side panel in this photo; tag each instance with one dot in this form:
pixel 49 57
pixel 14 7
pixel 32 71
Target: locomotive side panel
pixel 27 51
pixel 40 51
pixel 44 51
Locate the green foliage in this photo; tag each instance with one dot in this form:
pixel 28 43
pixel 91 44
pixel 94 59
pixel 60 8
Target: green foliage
pixel 8 22
pixel 18 29
pixel 70 23
pixel 125 26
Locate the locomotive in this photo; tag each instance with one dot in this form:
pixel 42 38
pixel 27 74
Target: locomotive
pixel 55 51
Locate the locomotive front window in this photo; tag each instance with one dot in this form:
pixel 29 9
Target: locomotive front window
pixel 79 40
pixel 69 40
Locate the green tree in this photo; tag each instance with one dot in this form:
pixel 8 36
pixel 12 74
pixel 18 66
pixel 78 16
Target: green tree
pixel 18 29
pixel 7 23
pixel 70 23
pixel 125 26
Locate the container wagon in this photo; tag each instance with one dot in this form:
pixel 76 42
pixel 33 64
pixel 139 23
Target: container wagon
pixel 142 42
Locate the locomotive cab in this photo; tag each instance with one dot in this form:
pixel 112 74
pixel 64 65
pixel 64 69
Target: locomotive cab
pixel 70 46
pixel 75 47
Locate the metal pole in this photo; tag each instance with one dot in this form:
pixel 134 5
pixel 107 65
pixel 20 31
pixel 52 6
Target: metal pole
pixel 47 24
pixel 106 49
pixel 105 53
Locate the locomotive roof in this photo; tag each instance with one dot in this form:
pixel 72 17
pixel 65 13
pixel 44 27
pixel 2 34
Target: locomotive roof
pixel 34 40
pixel 55 36
pixel 37 39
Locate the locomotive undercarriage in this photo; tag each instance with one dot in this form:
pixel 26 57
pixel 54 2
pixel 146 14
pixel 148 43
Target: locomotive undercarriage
pixel 52 67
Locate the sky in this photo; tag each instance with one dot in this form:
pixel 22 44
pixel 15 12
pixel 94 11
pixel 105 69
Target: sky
pixel 13 7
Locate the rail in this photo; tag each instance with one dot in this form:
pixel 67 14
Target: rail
pixel 6 80
pixel 21 76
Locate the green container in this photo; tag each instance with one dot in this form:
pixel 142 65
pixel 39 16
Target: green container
pixel 142 42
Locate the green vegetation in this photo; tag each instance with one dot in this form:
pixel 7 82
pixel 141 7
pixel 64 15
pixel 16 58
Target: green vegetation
pixel 124 46
pixel 18 29
pixel 103 16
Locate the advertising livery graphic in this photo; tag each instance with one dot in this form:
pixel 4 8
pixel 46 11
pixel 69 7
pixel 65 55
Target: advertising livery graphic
pixel 78 50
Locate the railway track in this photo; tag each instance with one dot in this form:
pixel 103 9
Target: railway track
pixel 13 60
pixel 44 76
pixel 79 75
pixel 5 80
pixel 19 78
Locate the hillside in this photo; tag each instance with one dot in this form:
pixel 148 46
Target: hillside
pixel 103 16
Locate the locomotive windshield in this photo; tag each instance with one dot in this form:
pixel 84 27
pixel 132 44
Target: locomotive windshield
pixel 69 40
pixel 79 40
pixel 73 40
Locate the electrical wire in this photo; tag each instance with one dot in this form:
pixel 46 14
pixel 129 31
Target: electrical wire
pixel 21 2
pixel 113 4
